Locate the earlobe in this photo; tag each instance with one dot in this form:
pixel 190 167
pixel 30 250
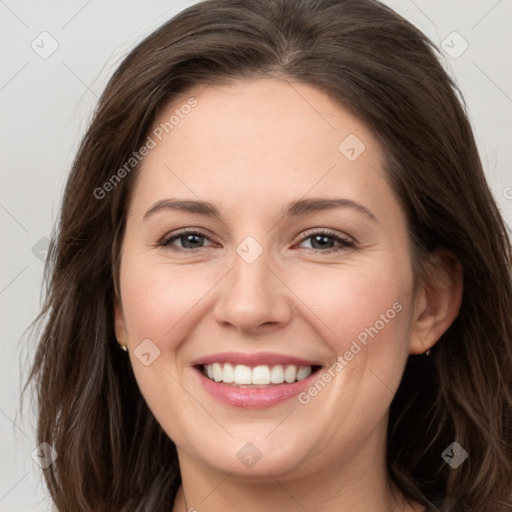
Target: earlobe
pixel 437 302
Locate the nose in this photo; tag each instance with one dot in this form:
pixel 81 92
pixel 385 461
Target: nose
pixel 254 297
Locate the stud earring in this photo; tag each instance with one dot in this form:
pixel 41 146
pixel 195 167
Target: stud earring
pixel 123 347
pixel 427 353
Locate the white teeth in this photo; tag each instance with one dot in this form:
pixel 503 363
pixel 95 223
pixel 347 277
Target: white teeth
pixel 277 374
pixel 228 375
pixel 290 372
pixel 303 372
pixel 241 374
pixel 261 375
pixel 217 372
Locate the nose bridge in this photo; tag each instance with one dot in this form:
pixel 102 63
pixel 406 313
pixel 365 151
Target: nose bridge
pixel 251 279
pixel 251 267
pixel 252 295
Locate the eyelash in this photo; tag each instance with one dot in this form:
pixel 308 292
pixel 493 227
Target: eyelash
pixel 345 243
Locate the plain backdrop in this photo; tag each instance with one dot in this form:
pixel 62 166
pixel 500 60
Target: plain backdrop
pixel 46 104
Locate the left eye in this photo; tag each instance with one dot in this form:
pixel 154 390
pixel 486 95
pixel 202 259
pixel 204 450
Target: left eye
pixel 325 241
pixel 188 239
pixel 321 241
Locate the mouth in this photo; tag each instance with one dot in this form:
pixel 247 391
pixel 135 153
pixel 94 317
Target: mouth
pixel 254 381
pixel 261 376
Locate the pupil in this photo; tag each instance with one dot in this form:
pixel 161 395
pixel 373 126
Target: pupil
pixel 323 239
pixel 189 240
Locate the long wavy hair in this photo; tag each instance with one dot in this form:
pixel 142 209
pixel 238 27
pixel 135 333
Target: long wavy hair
pixel 113 455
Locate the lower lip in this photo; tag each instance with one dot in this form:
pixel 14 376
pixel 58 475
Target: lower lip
pixel 254 398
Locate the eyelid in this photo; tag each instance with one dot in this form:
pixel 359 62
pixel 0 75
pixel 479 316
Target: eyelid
pixel 328 232
pixel 164 241
pixel 345 241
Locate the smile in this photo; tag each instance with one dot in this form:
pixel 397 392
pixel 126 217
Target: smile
pixel 242 375
pixel 254 381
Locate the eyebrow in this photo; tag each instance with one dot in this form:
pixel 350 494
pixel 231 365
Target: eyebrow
pixel 298 208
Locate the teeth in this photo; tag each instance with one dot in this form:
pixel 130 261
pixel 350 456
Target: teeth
pixel 303 372
pixel 261 375
pixel 217 372
pixel 290 372
pixel 241 374
pixel 228 374
pixel 277 374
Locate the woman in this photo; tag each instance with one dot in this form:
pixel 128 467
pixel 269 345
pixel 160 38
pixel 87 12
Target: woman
pixel 279 214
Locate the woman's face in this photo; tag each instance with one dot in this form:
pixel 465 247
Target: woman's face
pixel 299 263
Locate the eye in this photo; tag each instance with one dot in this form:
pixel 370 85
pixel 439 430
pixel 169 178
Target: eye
pixel 325 240
pixel 189 239
pixel 321 241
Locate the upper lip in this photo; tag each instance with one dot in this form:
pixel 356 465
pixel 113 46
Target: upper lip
pixel 256 359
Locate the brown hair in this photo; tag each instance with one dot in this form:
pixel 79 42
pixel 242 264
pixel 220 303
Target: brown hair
pixel 113 455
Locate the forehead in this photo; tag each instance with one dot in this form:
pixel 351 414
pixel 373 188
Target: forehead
pixel 269 140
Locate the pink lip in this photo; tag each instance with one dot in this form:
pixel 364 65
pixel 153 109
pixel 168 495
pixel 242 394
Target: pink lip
pixel 252 360
pixel 254 398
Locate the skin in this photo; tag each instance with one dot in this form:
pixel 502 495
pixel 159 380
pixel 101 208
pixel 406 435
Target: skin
pixel 250 148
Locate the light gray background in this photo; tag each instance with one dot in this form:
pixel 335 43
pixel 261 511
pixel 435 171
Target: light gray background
pixel 46 105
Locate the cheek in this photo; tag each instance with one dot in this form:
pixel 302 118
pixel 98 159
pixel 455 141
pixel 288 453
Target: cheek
pixel 159 299
pixel 363 313
pixel 349 299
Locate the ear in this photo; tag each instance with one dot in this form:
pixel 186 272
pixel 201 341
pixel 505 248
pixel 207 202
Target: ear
pixel 119 323
pixel 437 300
